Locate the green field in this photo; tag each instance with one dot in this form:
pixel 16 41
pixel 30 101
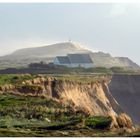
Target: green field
pixel 17 79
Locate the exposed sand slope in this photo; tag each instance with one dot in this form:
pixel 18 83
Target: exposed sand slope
pixel 90 98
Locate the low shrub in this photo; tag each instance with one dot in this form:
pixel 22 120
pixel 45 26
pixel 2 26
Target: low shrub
pixel 98 122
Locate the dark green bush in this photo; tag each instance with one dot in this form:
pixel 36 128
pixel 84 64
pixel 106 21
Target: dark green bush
pixel 98 122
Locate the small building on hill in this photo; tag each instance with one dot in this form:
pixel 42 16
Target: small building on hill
pixel 74 60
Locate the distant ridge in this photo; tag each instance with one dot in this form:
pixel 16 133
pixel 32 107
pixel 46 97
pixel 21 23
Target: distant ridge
pixel 51 50
pixel 23 57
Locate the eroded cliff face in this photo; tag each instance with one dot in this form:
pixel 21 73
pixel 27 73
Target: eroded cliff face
pixel 89 97
pixel 93 98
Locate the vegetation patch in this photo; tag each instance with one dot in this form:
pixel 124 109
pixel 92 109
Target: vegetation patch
pixel 39 116
pixel 82 78
pixel 14 78
pixel 98 122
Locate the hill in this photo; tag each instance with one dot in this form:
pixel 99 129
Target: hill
pixel 23 57
pixel 102 59
pixel 50 50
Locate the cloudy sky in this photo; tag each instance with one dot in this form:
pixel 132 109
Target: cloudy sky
pixel 113 28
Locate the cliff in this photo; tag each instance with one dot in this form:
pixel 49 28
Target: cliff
pixel 93 98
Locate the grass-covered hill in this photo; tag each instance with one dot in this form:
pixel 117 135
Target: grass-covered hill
pixel 47 53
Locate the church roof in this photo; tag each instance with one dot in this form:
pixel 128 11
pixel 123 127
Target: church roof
pixel 75 58
pixel 80 58
pixel 63 59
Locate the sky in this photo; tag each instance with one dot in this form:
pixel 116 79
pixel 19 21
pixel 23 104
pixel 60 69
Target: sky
pixel 111 28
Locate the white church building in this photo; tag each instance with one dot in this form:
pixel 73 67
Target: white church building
pixel 74 60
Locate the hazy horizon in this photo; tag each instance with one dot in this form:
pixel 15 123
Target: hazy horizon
pixel 111 28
